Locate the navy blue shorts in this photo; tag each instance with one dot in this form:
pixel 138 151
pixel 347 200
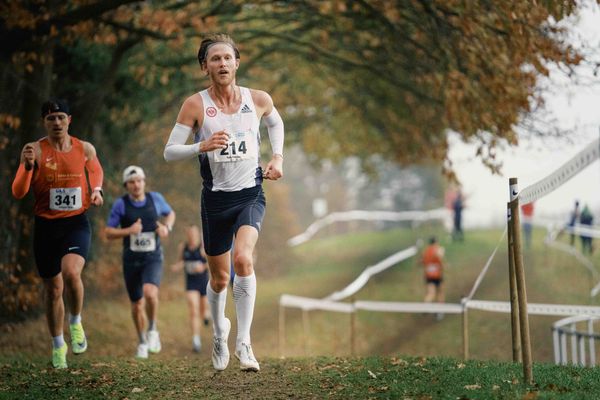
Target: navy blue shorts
pixel 436 282
pixel 197 282
pixel 141 271
pixel 55 238
pixel 223 213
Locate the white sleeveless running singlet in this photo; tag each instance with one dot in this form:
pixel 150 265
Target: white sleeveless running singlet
pixel 238 166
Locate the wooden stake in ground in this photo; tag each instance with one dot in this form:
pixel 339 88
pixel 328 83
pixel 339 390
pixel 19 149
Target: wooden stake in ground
pixel 514 298
pixel 465 326
pixel 281 330
pixel 520 278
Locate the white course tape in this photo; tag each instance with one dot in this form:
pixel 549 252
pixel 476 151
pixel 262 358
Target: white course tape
pixel 388 306
pixel 439 213
pixel 587 230
pixel 550 241
pixel 561 175
pixel 575 253
pixel 364 277
pixel 486 267
pixel 535 308
pixel 561 310
pixel 307 303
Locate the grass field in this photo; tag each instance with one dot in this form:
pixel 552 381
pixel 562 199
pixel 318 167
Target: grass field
pixel 391 346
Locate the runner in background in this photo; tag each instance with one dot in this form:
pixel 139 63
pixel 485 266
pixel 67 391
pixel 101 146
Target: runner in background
pixel 136 219
pixel 432 260
pixel 56 167
pixel 527 223
pixel 193 262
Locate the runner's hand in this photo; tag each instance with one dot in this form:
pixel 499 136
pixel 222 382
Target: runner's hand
pixel 217 140
pixel 161 229
pixel 28 156
pixel 97 198
pixel 274 168
pixel 136 227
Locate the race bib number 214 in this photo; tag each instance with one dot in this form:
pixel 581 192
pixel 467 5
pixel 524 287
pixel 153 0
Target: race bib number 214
pixel 241 146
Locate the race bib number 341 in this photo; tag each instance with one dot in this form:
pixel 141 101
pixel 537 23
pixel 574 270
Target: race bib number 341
pixel 65 199
pixel 241 146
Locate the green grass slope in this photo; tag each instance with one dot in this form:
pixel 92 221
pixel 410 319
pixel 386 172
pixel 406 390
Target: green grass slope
pixel 391 348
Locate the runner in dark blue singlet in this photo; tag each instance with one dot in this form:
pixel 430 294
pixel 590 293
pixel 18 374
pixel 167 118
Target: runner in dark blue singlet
pixel 193 262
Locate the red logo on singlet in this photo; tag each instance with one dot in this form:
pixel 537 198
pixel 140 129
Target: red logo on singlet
pixel 211 111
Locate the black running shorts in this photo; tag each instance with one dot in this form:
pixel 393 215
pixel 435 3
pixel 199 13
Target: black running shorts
pixel 223 213
pixel 55 238
pixel 139 271
pixel 197 282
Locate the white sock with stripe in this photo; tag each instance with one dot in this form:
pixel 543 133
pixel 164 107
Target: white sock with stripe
pixel 216 302
pixel 244 295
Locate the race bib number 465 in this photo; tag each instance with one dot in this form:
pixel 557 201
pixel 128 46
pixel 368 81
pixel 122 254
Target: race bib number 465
pixel 241 146
pixel 65 199
pixel 144 241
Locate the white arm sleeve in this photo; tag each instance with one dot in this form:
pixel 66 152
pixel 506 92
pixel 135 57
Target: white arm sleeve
pixel 176 149
pixel 275 128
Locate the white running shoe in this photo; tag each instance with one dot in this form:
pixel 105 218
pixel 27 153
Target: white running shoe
pixel 246 356
pixel 142 351
pixel 154 342
pixel 220 352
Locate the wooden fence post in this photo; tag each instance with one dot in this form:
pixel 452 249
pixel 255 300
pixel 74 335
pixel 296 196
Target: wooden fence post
pixel 465 326
pixel 520 278
pixel 281 330
pixel 514 298
pixel 306 326
pixel 353 332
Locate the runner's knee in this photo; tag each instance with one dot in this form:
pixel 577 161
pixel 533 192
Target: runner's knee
pixel 137 306
pixel 219 281
pixel 70 275
pixel 54 292
pixel 242 264
pixel 150 291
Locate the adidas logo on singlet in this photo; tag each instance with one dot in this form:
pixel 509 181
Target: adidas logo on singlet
pixel 246 109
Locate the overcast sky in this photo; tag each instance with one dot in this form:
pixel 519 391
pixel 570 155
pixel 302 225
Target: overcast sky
pixel 575 106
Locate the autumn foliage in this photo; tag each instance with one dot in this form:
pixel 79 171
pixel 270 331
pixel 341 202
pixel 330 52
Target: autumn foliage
pixel 350 78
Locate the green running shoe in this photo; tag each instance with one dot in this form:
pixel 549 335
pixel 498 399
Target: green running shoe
pixel 78 340
pixel 59 356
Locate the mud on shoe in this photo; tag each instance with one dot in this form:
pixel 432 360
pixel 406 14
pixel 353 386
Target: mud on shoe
pixel 220 352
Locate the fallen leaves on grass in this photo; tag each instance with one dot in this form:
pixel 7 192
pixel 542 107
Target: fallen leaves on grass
pixel 530 396
pixel 472 387
pixel 399 361
pixel 100 364
pixel 372 375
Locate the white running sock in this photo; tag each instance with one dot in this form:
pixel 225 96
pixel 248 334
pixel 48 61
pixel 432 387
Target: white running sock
pixel 152 325
pixel 143 339
pixel 75 319
pixel 58 341
pixel 196 341
pixel 216 302
pixel 244 295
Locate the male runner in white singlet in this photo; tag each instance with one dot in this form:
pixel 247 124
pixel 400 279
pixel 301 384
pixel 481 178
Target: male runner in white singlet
pixel 225 122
